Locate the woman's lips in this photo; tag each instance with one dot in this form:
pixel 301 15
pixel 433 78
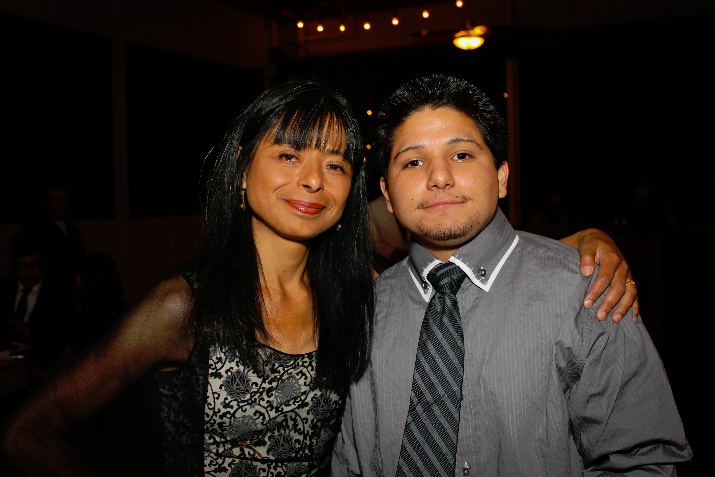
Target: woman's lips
pixel 310 208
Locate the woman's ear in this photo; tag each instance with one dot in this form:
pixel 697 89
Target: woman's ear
pixel 245 171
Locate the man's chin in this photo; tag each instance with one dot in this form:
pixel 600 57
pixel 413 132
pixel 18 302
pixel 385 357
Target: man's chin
pixel 445 237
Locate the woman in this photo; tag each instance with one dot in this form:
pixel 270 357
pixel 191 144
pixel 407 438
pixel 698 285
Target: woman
pixel 259 343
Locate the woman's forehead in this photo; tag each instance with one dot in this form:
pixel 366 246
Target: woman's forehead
pixel 324 135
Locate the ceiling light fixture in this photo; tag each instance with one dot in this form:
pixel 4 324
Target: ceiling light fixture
pixel 425 13
pixel 470 39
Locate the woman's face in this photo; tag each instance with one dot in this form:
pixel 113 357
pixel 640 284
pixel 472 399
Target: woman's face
pixel 297 194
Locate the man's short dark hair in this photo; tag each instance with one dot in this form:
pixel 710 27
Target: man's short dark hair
pixel 439 91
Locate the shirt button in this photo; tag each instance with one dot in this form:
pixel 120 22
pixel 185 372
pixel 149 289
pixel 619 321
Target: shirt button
pixel 466 468
pixel 482 273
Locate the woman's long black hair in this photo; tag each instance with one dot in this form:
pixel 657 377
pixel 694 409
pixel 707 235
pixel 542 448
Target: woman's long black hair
pixel 228 299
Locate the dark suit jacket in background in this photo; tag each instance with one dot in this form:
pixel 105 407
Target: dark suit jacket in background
pixel 47 324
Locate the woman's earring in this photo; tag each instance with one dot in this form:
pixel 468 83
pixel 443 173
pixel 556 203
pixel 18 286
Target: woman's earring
pixel 243 199
pixel 339 226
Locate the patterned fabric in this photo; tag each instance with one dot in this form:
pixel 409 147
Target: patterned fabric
pixel 275 424
pixel 429 444
pixel 180 400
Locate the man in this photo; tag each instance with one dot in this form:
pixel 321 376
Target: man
pixel 64 249
pixel 33 309
pixel 485 360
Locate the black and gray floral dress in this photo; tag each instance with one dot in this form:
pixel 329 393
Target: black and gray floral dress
pixel 276 424
pixel 218 417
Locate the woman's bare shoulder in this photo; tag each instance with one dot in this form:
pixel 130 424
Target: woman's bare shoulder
pixel 172 299
pixel 157 324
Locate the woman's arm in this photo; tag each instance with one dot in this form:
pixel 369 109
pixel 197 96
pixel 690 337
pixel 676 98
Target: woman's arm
pixel 152 333
pixel 597 247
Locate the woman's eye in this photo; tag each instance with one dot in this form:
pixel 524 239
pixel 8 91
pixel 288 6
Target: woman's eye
pixel 413 163
pixel 336 167
pixel 286 156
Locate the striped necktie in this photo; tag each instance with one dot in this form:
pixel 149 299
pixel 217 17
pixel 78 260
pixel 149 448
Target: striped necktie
pixel 21 308
pixel 429 442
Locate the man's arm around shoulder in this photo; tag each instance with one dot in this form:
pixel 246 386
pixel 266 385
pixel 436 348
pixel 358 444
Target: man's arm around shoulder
pixel 623 415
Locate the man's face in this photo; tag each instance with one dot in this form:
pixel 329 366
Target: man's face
pixel 29 270
pixel 443 186
pixel 57 203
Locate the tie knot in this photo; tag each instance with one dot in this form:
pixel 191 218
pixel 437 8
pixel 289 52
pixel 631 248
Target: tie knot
pixel 446 278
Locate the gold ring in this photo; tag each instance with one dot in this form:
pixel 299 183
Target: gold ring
pixel 630 281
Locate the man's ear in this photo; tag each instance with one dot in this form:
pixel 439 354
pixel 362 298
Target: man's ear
pixel 503 177
pixel 383 188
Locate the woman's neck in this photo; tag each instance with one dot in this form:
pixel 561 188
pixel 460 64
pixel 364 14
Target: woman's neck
pixel 282 262
pixel 288 314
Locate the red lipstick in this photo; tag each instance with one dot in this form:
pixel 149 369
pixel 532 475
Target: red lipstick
pixel 310 208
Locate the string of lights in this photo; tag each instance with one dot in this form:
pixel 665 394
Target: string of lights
pixel 467 39
pixel 366 25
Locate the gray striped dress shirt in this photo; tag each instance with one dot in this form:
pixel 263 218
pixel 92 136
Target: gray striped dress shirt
pixel 548 389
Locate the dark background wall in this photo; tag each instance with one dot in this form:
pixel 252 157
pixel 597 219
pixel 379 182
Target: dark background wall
pixel 57 117
pixel 614 119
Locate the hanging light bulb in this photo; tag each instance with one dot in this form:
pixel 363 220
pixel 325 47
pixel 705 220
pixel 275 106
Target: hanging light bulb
pixel 395 21
pixel 470 39
pixel 320 27
pixel 342 27
pixel 425 13
pixel 459 3
pixel 366 25
pixel 300 24
pixel 468 43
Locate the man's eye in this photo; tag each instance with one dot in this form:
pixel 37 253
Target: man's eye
pixel 461 156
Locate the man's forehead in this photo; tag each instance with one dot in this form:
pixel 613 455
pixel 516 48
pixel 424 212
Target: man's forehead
pixel 30 258
pixel 438 119
pixel 459 135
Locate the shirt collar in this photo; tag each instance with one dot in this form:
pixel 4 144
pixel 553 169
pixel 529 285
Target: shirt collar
pixel 481 258
pixel 33 289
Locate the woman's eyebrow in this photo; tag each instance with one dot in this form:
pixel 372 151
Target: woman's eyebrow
pixel 336 152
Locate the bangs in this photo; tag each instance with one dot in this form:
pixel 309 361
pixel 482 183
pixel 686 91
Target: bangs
pixel 316 128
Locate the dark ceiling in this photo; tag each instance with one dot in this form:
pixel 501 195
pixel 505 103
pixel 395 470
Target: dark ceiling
pixel 307 9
